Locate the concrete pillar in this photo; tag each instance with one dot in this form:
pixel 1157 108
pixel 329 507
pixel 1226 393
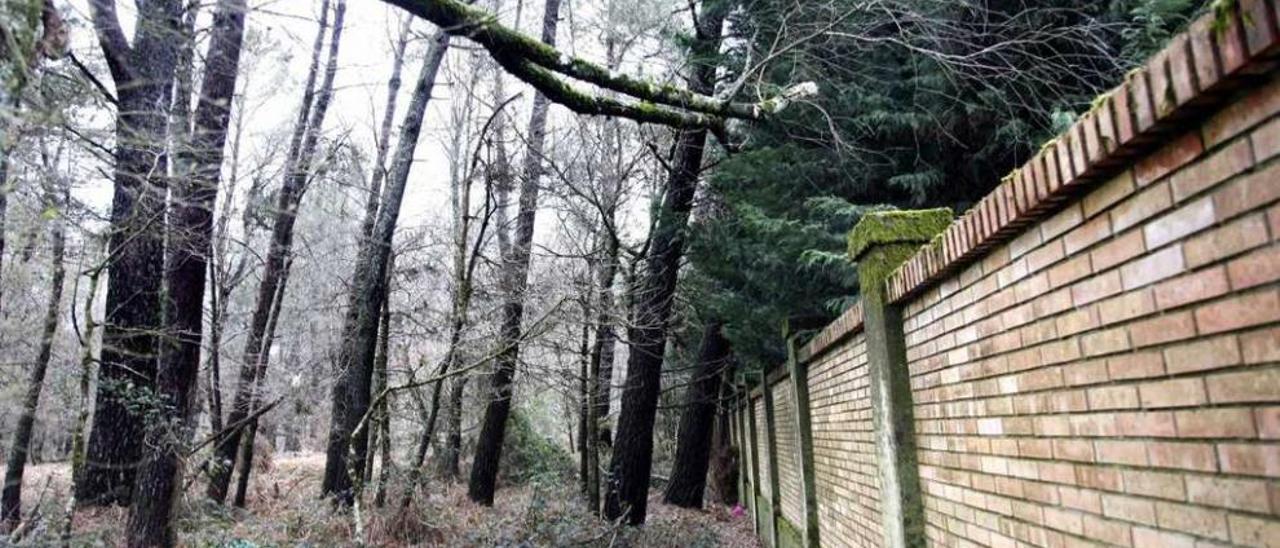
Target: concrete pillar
pixel 879 244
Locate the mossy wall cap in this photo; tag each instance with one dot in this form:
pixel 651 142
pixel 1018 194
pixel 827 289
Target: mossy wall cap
pixel 897 227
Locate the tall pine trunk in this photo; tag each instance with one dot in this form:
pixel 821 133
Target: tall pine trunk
pixel 302 145
pixel 484 469
pixel 190 240
pixel 15 464
pixel 632 462
pixel 697 420
pixel 144 75
pixel 348 428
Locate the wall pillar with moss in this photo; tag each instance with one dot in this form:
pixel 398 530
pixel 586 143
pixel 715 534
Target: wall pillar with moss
pixel 879 244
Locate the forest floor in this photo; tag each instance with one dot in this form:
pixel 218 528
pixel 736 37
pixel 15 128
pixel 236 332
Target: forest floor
pixel 283 511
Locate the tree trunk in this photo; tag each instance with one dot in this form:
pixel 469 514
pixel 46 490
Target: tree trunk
pixel 302 144
pixel 632 462
pixel 15 464
pixel 484 469
pixel 143 73
pixel 190 238
pixel 697 419
pixel 84 384
pixel 724 456
pixel 348 432
pixel 384 413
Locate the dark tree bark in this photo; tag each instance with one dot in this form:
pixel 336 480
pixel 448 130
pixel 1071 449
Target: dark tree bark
pixel 384 411
pixel 484 469
pixel 632 462
pixel 697 420
pixel 348 431
pixel 302 146
pixel 723 478
pixel 144 75
pixel 15 464
pixel 190 240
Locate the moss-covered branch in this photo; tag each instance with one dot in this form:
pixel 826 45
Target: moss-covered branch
pixel 533 61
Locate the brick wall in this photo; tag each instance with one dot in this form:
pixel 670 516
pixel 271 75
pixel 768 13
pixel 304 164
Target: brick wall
pixel 788 453
pixel 1093 350
pixel 1112 373
pixel 846 477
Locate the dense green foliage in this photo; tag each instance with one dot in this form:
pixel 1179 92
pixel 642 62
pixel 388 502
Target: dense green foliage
pixel 528 456
pixel 921 104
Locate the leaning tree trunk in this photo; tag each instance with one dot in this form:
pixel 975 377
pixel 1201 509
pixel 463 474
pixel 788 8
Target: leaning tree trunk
pixel 302 145
pixel 697 419
pixel 190 240
pixel 348 432
pixel 15 464
pixel 484 469
pixel 143 74
pixel 628 484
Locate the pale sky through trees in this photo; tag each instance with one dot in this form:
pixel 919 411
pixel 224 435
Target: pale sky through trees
pixel 277 71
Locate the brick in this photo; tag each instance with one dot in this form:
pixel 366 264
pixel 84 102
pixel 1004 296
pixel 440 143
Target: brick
pixel 1077 321
pixel 1157 266
pixel 1190 288
pixel 1108 194
pixel 1238 494
pixel 1215 423
pixel 1092 232
pixel 1128 508
pixel 1250 459
pixel 1149 483
pixel 1063 520
pixel 1126 307
pixel 1253 385
pixel 1261 346
pixel 1259 27
pixel 1113 397
pixel 1071 270
pixel 1132 453
pixel 1168 158
pixel 1080 499
pixel 1257 268
pixel 1060 223
pixel 1161 329
pixel 1273 220
pixel 1073 450
pixel 1044 256
pixel 1266 140
pixel 1204 57
pixel 1202 355
pixel 1252 531
pixel 1268 422
pixel 1095 288
pixel 1144 114
pixel 1173 393
pixel 1105 342
pixel 1217 167
pixel 1229 41
pixel 1199 521
pixel 1084 373
pixel 1110 532
pixel 1249 192
pixel 1140 207
pixel 1162 95
pixel 1097 477
pixel 1138 365
pixel 1118 250
pixel 1230 239
pixel 1181 222
pixel 1122 105
pixel 1244 113
pixel 1059 352
pixel 1240 311
pixel 1143 536
pixel 1153 424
